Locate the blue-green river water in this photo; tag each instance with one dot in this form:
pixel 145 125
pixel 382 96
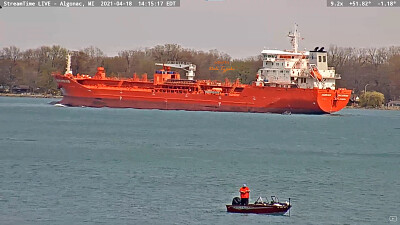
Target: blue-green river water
pixel 62 165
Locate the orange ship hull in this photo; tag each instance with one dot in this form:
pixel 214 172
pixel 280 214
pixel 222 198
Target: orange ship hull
pixel 131 93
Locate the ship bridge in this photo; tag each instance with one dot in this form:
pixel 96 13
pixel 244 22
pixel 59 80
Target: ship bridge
pixel 306 69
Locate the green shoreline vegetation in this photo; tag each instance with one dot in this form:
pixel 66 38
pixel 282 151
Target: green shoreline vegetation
pixel 28 72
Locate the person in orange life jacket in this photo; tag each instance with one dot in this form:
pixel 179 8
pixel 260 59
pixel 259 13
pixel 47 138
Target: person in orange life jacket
pixel 244 195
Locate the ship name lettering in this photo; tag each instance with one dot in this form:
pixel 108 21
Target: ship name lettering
pixel 326 95
pixel 63 81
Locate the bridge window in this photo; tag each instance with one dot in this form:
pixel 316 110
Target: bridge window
pixel 319 59
pixel 324 58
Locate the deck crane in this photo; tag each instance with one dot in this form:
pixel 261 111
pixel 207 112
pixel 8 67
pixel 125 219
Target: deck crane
pixel 187 66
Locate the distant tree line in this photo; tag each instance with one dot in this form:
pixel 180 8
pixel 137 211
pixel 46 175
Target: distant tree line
pixel 373 69
pixel 377 67
pixel 33 67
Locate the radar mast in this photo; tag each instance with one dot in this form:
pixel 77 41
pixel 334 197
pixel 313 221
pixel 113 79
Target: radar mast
pixel 294 38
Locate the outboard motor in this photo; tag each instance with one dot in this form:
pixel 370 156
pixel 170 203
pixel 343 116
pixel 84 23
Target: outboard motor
pixel 236 201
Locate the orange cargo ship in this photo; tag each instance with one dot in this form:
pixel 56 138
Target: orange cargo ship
pixel 289 82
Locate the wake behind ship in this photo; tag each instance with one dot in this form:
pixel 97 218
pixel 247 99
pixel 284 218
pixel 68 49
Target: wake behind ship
pixel 290 81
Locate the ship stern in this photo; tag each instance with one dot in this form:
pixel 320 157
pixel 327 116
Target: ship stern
pixel 331 101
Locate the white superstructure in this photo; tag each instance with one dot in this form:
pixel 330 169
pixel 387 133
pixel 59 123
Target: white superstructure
pixel 190 68
pixel 295 67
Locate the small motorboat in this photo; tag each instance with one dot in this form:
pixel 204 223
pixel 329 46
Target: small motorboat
pixel 261 207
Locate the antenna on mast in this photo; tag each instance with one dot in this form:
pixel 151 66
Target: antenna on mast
pixel 68 68
pixel 294 38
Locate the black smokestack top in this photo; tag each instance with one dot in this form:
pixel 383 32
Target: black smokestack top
pixel 316 49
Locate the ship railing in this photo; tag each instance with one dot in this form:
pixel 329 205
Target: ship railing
pixel 331 68
pixel 178 62
pixel 170 90
pixel 175 81
pixel 304 75
pixel 209 82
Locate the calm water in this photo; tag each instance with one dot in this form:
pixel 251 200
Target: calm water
pixel 61 165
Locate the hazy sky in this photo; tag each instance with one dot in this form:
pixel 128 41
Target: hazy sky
pixel 240 28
